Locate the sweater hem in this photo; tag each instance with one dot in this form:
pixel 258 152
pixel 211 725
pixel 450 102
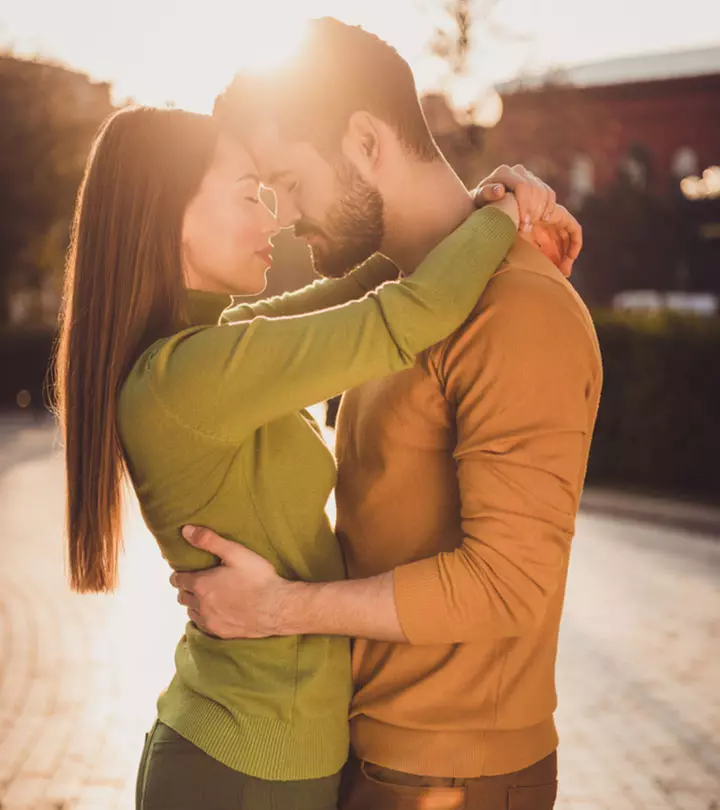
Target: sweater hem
pixel 262 747
pixel 452 754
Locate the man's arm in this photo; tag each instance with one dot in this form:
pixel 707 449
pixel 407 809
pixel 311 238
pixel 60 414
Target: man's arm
pixel 519 377
pixel 522 379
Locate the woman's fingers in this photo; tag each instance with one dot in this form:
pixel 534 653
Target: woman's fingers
pixel 487 193
pixel 550 203
pixel 537 203
pixel 533 197
pixel 572 235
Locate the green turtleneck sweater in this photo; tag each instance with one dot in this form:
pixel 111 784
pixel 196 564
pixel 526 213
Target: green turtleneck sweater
pixel 214 430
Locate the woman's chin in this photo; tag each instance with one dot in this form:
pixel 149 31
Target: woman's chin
pixel 262 283
pixel 248 287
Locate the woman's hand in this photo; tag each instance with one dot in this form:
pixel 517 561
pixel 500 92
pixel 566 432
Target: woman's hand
pixel 536 199
pixel 538 209
pixel 553 238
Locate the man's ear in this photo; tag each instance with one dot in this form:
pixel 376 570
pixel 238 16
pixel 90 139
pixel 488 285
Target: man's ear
pixel 362 142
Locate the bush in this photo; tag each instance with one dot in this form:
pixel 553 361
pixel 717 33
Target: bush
pixel 658 426
pixel 659 421
pixel 24 361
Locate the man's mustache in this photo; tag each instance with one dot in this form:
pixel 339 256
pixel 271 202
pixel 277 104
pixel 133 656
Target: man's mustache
pixel 304 229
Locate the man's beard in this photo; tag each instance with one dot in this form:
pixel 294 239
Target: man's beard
pixel 353 228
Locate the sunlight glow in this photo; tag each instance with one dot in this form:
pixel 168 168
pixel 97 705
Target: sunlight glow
pixel 235 41
pixel 184 52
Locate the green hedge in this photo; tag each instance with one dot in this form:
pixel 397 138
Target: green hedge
pixel 659 421
pixel 24 358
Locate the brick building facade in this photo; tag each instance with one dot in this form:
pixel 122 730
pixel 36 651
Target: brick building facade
pixel 657 118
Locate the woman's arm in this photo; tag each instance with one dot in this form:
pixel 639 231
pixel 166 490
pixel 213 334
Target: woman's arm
pixel 226 381
pixel 321 294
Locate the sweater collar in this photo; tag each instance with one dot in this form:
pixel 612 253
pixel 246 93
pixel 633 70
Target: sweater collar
pixel 204 308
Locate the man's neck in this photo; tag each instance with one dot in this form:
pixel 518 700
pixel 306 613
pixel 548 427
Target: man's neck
pixel 426 203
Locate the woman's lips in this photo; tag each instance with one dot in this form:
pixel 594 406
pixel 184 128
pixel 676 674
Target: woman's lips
pixel 265 255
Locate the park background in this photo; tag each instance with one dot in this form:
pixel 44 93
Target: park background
pixel 617 106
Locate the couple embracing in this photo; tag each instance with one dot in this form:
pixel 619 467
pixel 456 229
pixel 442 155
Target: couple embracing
pixel 405 658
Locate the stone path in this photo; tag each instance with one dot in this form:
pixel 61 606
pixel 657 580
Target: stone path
pixel 639 669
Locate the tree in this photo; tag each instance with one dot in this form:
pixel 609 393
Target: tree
pixel 466 27
pixel 633 240
pixel 49 117
pixel 466 22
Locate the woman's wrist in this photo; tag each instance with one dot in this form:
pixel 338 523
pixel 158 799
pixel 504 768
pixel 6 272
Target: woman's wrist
pixel 508 205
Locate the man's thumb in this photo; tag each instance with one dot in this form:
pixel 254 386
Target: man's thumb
pixel 207 540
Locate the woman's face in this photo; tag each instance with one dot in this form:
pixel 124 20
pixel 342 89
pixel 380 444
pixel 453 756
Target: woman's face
pixel 227 228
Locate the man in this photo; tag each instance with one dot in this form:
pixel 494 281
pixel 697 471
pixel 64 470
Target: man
pixel 459 479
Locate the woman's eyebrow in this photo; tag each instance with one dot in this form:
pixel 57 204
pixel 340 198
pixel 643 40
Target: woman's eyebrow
pixel 249 176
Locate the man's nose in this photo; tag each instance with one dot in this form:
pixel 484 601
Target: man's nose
pixel 287 212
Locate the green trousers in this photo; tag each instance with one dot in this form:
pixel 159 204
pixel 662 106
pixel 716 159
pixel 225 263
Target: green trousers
pixel 176 775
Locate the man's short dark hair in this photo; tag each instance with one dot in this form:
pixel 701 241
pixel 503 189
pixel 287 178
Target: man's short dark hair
pixel 340 69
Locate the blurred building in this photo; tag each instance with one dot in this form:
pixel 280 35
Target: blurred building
pixel 633 145
pixel 656 118
pixel 76 92
pixel 50 115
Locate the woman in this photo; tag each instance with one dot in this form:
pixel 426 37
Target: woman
pixel 209 423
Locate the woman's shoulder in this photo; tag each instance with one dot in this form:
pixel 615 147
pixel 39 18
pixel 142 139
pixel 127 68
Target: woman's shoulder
pixel 137 400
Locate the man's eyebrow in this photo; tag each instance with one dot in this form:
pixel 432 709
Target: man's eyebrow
pixel 274 177
pixel 249 176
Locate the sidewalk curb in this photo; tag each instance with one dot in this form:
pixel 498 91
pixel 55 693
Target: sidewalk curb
pixel 693 517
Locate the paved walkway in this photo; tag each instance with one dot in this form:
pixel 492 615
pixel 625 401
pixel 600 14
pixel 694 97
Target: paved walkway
pixel 639 670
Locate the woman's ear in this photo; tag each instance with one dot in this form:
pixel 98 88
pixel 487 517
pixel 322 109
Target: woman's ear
pixel 362 142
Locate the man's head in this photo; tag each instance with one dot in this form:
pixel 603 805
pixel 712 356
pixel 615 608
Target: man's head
pixel 328 131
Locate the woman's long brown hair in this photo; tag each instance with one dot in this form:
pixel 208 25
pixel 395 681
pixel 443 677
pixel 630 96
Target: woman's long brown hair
pixel 123 290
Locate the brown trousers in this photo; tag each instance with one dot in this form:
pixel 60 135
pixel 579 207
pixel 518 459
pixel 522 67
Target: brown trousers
pixel 370 787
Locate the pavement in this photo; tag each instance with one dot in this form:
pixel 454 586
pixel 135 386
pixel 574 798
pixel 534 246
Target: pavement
pixel 638 671
pixel 699 518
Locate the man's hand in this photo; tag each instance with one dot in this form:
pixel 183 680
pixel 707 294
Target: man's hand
pixel 241 598
pixel 246 598
pixel 542 221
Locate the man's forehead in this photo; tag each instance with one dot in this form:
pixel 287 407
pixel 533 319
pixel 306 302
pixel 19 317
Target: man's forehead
pixel 277 156
pixel 272 153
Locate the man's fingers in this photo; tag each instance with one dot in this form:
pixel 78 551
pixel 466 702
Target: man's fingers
pixel 182 581
pixel 188 599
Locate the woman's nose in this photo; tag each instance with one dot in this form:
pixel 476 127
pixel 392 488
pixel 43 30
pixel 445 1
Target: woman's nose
pixel 271 226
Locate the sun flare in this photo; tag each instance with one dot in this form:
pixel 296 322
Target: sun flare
pixel 239 41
